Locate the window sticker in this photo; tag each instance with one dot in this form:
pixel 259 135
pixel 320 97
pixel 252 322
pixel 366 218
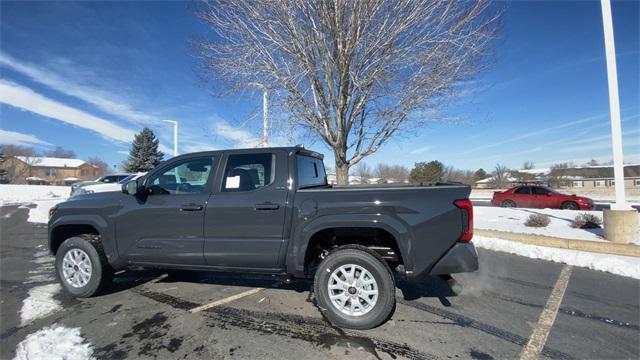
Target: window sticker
pixel 233 182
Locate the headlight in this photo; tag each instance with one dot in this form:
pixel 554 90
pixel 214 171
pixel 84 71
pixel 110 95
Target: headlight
pixel 52 211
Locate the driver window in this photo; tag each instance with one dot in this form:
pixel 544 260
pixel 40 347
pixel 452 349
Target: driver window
pixel 188 177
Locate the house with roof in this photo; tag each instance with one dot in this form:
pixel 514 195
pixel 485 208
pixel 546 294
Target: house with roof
pixel 47 170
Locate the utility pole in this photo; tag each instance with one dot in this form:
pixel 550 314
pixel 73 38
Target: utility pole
pixel 614 107
pixel 175 135
pixel 265 112
pixel 620 222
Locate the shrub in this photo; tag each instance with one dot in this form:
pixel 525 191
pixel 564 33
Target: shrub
pixel 537 220
pixel 587 221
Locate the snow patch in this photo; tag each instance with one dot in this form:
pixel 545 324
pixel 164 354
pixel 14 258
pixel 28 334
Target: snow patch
pixel 23 194
pixel 616 264
pixel 512 220
pixel 40 303
pixel 57 342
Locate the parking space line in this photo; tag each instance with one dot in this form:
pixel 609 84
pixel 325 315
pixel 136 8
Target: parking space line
pixel 226 300
pixel 540 333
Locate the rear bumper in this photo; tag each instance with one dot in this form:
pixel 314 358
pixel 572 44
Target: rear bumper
pixel 462 257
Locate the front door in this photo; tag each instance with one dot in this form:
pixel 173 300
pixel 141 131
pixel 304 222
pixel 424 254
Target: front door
pixel 522 196
pixel 164 225
pixel 244 222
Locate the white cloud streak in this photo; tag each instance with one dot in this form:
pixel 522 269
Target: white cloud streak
pixel 421 150
pixel 241 138
pixel 24 98
pixel 97 97
pixel 16 138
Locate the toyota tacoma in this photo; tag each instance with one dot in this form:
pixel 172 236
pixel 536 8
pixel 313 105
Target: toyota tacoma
pixel 271 211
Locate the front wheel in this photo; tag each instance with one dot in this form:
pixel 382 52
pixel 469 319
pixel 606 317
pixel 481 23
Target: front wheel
pixel 570 205
pixel 508 204
pixel 82 267
pixel 354 288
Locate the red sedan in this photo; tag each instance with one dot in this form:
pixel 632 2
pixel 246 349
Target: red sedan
pixel 535 196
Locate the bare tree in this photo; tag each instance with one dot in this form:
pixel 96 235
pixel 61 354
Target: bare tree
pixel 17 150
pixel 60 152
pixel 558 174
pixel 363 171
pixel 528 165
pixel 355 73
pixel 391 173
pixel 100 164
pixel 500 177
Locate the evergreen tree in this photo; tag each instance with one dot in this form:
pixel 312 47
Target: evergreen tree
pixel 480 174
pixel 424 172
pixel 144 154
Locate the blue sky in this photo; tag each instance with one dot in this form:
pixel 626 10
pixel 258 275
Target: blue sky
pixel 86 76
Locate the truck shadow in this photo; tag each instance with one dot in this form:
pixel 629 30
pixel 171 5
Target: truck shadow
pixel 431 287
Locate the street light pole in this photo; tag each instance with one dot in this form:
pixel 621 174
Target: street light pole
pixel 265 112
pixel 614 107
pixel 175 135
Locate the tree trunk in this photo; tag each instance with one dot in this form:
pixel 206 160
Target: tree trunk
pixel 342 173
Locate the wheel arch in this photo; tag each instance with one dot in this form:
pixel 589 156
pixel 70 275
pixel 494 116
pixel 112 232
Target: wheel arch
pixel 66 227
pixel 385 229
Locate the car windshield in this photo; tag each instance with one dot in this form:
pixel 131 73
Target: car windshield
pixel 127 179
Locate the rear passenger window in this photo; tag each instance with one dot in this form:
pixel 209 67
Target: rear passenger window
pixel 310 172
pixel 246 172
pixel 523 190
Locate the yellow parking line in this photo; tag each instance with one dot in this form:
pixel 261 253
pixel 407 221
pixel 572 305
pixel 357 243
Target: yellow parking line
pixel 543 327
pixel 226 300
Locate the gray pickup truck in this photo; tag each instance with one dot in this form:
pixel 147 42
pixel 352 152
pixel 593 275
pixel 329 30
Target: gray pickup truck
pixel 268 210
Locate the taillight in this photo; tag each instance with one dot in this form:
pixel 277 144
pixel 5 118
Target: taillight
pixel 467 210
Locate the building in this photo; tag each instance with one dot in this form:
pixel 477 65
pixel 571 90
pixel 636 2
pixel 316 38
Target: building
pixel 584 177
pixel 47 170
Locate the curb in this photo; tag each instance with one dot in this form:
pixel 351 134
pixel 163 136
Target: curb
pixel 554 242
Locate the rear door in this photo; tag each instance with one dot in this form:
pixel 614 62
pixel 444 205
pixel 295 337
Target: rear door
pixel 522 196
pixel 244 220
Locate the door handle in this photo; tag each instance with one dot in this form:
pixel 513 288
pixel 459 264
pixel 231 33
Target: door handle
pixel 191 207
pixel 267 206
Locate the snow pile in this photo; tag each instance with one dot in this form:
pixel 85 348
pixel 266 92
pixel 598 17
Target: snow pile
pixel 40 303
pixel 615 264
pixel 56 342
pixel 23 194
pixel 40 212
pixel 512 220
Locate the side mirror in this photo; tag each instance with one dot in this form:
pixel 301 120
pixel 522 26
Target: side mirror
pixel 130 188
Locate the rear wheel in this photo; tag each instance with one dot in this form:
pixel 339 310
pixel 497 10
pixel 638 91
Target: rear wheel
pixel 570 205
pixel 82 267
pixel 355 288
pixel 508 204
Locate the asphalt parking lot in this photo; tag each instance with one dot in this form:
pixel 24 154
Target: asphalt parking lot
pixel 196 315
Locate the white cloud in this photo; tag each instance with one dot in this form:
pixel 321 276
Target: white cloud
pixel 241 138
pixel 97 97
pixel 421 150
pixel 529 134
pixel 16 138
pixel 24 98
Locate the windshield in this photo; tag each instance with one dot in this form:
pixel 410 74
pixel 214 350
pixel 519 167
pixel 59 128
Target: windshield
pixel 127 179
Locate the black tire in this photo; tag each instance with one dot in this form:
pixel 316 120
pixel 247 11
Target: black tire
pixel 101 271
pixel 380 271
pixel 570 205
pixel 508 204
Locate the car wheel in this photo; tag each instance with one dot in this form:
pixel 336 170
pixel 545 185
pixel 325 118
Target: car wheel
pixel 82 267
pixel 570 205
pixel 355 288
pixel 508 204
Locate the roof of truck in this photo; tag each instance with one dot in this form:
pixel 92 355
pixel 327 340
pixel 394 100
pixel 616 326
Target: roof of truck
pixel 297 149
